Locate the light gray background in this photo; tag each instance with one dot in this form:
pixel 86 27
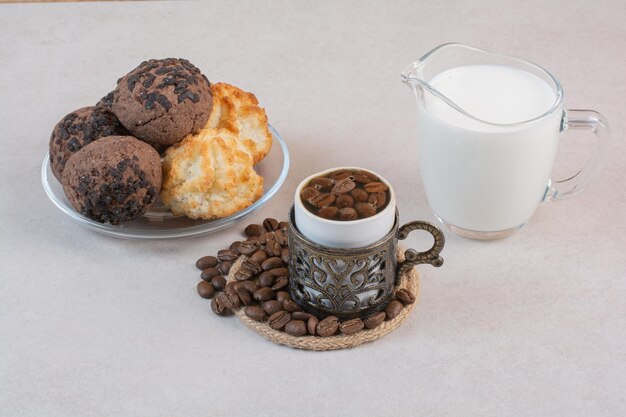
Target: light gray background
pixel 96 326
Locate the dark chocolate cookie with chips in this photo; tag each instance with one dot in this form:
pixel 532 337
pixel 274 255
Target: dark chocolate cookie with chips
pixel 78 129
pixel 114 179
pixel 163 100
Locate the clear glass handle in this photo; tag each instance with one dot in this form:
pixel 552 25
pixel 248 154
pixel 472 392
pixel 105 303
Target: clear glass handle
pixel 597 124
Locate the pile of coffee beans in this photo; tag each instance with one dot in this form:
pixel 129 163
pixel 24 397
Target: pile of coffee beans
pixel 345 195
pixel 261 286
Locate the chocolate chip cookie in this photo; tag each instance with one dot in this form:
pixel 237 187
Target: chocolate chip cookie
pixel 163 100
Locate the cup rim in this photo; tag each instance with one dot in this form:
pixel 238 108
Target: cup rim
pixel 345 223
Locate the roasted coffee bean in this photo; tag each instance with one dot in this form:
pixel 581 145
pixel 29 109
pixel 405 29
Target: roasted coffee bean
pixel 252 266
pixel 322 200
pixel 280 237
pixel 205 289
pixel 266 279
pixel 262 239
pixel 351 326
pixel 329 212
pixel 279 319
pixel 280 283
pixel 226 302
pixel 328 326
pixel 291 306
pixel 311 324
pixel 250 286
pixel 218 308
pixel 255 313
pixel 206 262
pixel 343 186
pixel 321 183
pixel 270 224
pixel 235 246
pixel 405 296
pixel 364 177
pixel 279 272
pixel 259 256
pixel 348 213
pixel 218 282
pixel 273 248
pixel 271 263
pixel 300 315
pixel 393 309
pixel 247 248
pixel 233 298
pixel 209 273
pixel 375 187
pixel 224 267
pixel 359 195
pixel 365 210
pixel 340 174
pixel 272 306
pixel 284 226
pixel 375 320
pixel 263 294
pixel 308 193
pixel 243 274
pixel 254 230
pixel 244 295
pixel 282 296
pixel 284 256
pixel 227 255
pixel 295 328
pixel 344 200
pixel 378 200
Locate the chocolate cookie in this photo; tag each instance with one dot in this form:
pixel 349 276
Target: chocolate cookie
pixel 113 179
pixel 163 100
pixel 78 129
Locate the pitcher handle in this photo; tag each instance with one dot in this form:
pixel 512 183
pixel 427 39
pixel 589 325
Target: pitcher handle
pixel 413 257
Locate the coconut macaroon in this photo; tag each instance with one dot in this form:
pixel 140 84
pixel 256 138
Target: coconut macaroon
pixel 208 175
pixel 239 112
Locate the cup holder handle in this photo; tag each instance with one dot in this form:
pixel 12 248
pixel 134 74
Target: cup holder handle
pixel 413 257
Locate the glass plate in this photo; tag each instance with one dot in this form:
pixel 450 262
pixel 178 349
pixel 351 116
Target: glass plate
pixel 159 222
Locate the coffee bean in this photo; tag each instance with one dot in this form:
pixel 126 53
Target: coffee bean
pixel 375 187
pixel 393 309
pixel 300 315
pixel 205 289
pixel 272 306
pixel 247 248
pixel 351 326
pixel 311 324
pixel 375 320
pixel 328 326
pixel 259 256
pixel 284 256
pixel 270 224
pixel 273 248
pixel 378 200
pixel 280 237
pixel 254 230
pixel 209 273
pixel 343 186
pixel 344 200
pixel 291 306
pixel 250 286
pixel 359 195
pixel 284 226
pixel 279 319
pixel 279 272
pixel 224 267
pixel 364 177
pixel 348 213
pixel 280 283
pixel 227 255
pixel 322 200
pixel 233 298
pixel 405 296
pixel 244 295
pixel 365 209
pixel 308 193
pixel 235 246
pixel 266 279
pixel 255 313
pixel 219 308
pixel 218 282
pixel 340 174
pixel 329 212
pixel 321 183
pixel 263 294
pixel 225 302
pixel 271 263
pixel 295 328
pixel 206 262
pixel 243 274
pixel 282 296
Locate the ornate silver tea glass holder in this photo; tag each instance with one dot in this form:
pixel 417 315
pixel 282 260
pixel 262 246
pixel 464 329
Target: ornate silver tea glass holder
pixel 357 282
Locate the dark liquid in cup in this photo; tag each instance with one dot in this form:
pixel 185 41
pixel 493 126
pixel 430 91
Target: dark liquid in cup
pixel 345 195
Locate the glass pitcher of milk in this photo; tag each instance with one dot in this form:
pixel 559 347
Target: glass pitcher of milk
pixel 488 128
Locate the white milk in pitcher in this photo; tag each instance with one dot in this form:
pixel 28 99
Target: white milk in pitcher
pixel 480 176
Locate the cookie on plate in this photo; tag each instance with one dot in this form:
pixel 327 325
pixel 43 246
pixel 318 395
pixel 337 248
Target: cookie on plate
pixel 113 180
pixel 163 100
pixel 208 175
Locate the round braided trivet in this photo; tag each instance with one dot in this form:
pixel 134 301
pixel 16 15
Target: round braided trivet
pixel 409 280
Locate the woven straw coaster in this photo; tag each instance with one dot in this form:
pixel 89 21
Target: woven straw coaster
pixel 409 280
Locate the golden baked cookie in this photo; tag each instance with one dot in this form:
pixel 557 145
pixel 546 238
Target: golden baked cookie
pixel 207 175
pixel 238 111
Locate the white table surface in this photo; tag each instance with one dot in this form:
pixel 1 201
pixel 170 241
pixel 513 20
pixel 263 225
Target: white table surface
pixel 534 325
